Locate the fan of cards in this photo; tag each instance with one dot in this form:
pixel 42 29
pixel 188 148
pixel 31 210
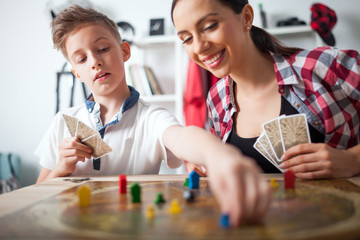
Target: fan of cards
pixel 280 134
pixel 87 135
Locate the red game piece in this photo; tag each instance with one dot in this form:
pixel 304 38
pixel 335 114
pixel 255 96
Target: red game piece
pixel 122 184
pixel 289 179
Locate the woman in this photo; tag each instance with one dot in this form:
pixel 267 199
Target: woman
pixel 262 79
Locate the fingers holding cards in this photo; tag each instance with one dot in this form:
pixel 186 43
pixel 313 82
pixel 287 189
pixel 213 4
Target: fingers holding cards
pixel 263 147
pixel 87 135
pixel 280 134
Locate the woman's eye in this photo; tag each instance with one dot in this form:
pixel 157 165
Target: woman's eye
pixel 186 40
pixel 210 26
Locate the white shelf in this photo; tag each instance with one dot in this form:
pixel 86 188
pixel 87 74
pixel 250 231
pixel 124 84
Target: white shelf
pixel 171 44
pixel 295 32
pixel 285 30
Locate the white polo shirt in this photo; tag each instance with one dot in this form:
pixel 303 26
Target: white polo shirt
pixel 134 134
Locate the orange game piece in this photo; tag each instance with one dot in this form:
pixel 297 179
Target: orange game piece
pixel 84 193
pixel 273 183
pixel 150 212
pixel 175 207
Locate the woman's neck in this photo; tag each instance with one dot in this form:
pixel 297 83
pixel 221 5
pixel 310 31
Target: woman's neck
pixel 256 72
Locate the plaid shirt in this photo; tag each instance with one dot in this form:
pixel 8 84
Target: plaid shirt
pixel 323 83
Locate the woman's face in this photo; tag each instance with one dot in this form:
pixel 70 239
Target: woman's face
pixel 214 36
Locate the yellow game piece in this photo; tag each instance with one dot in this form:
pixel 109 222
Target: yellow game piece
pixel 150 212
pixel 175 207
pixel 84 196
pixel 273 183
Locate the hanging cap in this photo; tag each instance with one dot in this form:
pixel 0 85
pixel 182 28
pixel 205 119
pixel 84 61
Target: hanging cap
pixel 323 19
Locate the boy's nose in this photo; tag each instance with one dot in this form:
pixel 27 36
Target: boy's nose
pixel 96 66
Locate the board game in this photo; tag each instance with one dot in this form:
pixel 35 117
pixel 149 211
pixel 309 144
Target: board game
pixel 314 210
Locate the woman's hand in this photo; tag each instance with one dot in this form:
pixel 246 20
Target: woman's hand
pixel 319 160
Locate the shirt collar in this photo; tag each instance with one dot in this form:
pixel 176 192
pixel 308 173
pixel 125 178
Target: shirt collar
pixel 232 94
pixel 129 102
pixel 285 73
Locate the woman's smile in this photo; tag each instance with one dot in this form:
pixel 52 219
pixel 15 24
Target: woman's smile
pixel 214 60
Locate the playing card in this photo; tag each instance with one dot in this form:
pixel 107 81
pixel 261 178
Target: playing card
pixel 71 124
pixel 272 132
pixel 99 147
pixel 87 135
pixel 262 151
pixel 265 144
pixel 84 131
pixel 262 145
pixel 294 130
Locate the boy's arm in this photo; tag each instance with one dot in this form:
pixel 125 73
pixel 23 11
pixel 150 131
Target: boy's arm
pixel 45 174
pixel 235 180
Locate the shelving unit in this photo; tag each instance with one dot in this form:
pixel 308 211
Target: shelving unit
pixel 288 32
pixel 171 54
pixel 172 99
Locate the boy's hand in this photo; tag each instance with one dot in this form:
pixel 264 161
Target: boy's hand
pixel 235 180
pixel 240 189
pixel 71 150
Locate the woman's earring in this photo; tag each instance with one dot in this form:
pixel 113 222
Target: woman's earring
pixel 248 28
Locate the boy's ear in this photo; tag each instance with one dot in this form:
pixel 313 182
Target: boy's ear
pixel 76 74
pixel 126 50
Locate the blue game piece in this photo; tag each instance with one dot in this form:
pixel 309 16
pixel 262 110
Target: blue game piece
pixel 194 180
pixel 224 220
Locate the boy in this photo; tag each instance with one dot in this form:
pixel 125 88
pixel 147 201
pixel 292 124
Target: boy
pixel 140 135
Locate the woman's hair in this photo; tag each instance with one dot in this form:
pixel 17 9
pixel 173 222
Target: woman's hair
pixel 73 17
pixel 263 40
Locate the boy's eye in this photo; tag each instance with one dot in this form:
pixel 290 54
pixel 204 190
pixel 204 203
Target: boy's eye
pixel 103 50
pixel 81 60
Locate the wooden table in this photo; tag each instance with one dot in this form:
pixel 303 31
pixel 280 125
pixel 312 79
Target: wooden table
pixel 322 209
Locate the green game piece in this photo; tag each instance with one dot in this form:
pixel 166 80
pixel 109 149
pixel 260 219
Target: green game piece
pixel 159 198
pixel 135 192
pixel 186 183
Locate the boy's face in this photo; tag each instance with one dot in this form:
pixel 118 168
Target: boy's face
pixel 97 59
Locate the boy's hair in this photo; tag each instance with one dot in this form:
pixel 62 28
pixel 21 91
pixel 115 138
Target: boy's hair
pixel 74 17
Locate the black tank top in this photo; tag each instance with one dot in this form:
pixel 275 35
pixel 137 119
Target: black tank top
pixel 246 144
